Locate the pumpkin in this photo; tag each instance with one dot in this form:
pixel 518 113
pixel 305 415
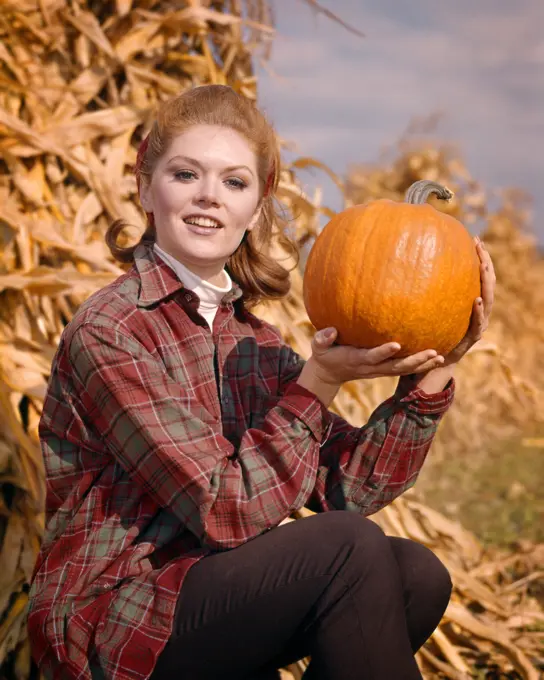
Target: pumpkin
pixel 391 271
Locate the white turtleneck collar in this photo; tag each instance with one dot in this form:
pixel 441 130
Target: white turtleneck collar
pixel 210 295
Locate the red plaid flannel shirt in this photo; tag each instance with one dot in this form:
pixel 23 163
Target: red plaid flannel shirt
pixel 163 441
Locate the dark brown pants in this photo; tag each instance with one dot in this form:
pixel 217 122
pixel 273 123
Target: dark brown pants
pixel 332 586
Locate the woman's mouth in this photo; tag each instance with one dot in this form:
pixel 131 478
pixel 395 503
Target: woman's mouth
pixel 201 224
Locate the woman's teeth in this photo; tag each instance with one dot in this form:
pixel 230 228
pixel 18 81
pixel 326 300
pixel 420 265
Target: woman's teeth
pixel 203 222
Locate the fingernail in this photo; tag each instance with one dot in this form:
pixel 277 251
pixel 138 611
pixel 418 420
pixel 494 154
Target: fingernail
pixel 480 302
pixel 326 333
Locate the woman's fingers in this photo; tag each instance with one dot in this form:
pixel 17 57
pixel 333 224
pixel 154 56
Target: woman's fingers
pixel 427 365
pixel 351 363
pixel 324 339
pixel 478 321
pixel 376 355
pixel 416 363
pixel 487 277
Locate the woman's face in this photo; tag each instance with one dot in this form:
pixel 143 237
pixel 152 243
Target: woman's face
pixel 204 196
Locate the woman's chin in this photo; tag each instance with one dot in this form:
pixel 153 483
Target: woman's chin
pixel 206 256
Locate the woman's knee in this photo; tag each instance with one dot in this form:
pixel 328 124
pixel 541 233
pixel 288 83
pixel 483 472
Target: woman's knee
pixel 423 574
pixel 351 529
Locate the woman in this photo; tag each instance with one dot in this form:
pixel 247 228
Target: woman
pixel 179 431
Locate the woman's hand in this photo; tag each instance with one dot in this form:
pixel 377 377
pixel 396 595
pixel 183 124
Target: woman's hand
pixel 341 363
pixel 435 380
pixel 481 310
pixel 330 366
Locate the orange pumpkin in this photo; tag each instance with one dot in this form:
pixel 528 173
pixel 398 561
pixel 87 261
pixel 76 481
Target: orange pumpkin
pixel 390 271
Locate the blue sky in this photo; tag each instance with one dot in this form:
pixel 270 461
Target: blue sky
pixel 480 63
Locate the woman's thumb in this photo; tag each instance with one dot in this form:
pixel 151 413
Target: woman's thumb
pixel 325 337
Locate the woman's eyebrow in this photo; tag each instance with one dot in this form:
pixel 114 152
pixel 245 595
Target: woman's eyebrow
pixel 187 159
pixel 193 161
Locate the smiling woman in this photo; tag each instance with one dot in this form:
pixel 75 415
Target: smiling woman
pixel 179 431
pixel 202 209
pixel 212 155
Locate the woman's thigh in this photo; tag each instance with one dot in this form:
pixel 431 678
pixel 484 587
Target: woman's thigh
pixel 239 609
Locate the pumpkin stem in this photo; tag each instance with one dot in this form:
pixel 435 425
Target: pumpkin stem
pixel 420 191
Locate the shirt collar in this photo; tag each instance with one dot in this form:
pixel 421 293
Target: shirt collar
pixel 191 280
pixel 158 279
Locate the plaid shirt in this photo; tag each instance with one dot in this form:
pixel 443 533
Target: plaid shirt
pixel 165 441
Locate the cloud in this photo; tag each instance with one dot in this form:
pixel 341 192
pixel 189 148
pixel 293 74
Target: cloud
pixel 341 97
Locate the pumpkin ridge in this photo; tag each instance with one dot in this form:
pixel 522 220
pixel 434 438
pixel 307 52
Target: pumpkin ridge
pixel 361 272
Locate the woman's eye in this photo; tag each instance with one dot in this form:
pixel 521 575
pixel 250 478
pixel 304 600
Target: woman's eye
pixel 184 175
pixel 236 183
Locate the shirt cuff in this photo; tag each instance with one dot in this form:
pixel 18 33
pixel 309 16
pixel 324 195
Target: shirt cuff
pixel 308 408
pixel 414 399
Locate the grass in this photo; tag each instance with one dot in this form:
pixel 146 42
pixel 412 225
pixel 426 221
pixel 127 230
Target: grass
pixel 497 494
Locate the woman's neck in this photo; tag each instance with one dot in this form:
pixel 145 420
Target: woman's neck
pixel 214 274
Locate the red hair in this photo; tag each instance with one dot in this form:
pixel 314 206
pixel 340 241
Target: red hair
pixel 252 266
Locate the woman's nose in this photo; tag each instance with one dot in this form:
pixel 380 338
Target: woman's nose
pixel 208 193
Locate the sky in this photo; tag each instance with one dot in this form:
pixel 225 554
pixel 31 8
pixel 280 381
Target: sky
pixel 478 63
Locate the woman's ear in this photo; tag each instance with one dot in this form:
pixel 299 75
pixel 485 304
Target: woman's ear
pixel 146 197
pixel 255 217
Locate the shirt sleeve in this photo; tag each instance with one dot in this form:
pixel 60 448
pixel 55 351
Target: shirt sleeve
pixel 161 437
pixel 364 469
